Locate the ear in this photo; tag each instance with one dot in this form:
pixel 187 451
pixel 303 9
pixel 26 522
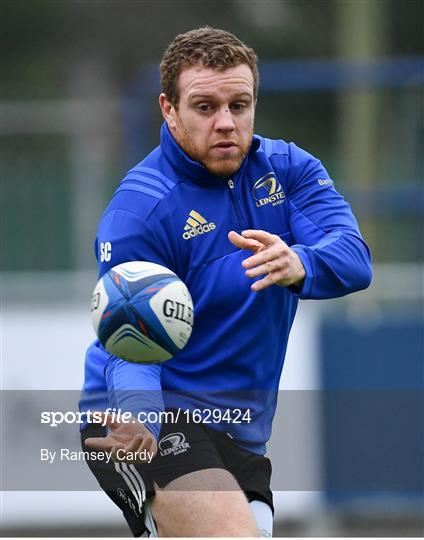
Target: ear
pixel 168 111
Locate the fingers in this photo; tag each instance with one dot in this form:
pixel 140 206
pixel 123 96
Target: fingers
pixel 254 240
pixel 279 250
pixel 284 271
pixel 128 441
pixel 139 450
pixel 99 443
pixel 277 265
pixel 272 258
pixel 243 243
pixel 275 278
pixel 265 238
pixel 126 452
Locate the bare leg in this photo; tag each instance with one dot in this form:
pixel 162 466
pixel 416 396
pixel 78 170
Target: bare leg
pixel 203 503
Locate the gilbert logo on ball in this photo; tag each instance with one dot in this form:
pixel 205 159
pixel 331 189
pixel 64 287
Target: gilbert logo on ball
pixel 142 312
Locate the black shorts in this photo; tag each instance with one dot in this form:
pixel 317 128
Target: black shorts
pixel 184 447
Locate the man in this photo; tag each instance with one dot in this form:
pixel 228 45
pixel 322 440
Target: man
pixel 250 225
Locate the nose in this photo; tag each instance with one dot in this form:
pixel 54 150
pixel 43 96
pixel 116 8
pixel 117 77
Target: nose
pixel 224 120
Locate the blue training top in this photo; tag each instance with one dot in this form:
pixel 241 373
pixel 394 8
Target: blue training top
pixel 172 211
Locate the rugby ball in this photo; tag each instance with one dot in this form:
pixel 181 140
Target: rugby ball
pixel 142 312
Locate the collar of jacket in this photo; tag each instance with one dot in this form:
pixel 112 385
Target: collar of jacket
pixel 190 169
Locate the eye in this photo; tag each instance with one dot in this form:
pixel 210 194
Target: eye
pixel 204 107
pixel 238 106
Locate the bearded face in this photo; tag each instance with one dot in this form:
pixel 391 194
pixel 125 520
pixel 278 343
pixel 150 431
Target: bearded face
pixel 213 122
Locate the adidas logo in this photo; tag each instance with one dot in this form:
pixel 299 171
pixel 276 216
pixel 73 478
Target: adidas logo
pixel 196 225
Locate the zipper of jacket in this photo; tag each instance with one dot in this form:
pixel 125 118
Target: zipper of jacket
pixel 236 204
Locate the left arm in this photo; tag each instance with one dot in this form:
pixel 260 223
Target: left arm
pixel 329 259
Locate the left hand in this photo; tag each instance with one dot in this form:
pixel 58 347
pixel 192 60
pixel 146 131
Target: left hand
pixel 272 256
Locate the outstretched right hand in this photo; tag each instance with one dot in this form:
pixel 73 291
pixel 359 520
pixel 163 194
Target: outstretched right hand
pixel 132 439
